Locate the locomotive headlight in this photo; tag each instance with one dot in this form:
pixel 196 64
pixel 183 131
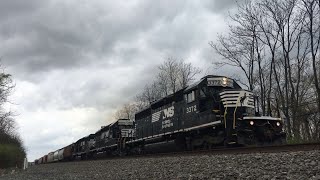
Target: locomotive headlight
pixel 278 124
pixel 224 81
pixel 251 123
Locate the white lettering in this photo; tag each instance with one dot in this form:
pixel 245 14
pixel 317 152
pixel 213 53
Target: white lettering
pixel 169 112
pixel 192 109
pixel 167 123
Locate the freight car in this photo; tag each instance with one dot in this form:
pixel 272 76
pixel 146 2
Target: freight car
pixel 50 157
pixel 109 140
pixel 214 111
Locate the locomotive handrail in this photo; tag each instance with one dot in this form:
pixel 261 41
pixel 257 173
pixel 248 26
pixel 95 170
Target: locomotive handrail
pixel 225 115
pixel 234 113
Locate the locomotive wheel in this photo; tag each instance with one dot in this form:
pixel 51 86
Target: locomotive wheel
pixel 138 150
pixel 207 145
pixel 122 153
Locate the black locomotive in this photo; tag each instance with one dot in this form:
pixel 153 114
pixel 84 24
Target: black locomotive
pixel 211 112
pixel 214 111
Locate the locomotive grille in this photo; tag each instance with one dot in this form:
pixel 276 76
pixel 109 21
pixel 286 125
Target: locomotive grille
pixel 237 98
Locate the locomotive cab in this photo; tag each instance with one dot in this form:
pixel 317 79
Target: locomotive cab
pixel 82 147
pixel 121 131
pixel 204 110
pixel 241 123
pixel 222 99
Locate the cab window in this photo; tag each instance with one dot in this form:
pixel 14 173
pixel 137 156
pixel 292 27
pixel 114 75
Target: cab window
pixel 190 97
pixel 202 93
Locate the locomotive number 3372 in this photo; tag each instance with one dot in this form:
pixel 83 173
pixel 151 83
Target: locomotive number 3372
pixel 192 109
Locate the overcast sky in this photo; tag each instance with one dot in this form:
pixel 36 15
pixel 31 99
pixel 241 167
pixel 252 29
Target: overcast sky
pixel 74 62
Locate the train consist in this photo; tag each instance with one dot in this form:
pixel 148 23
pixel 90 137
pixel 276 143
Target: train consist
pixel 215 111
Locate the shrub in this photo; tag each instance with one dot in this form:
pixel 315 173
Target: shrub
pixel 11 156
pixel 12 152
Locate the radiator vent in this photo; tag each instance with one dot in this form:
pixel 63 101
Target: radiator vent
pixel 233 98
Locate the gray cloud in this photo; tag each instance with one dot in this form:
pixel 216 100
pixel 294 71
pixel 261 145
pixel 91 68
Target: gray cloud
pixel 16 8
pixel 222 6
pixel 58 35
pixel 79 57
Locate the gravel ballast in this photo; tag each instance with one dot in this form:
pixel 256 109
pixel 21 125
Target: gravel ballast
pixel 283 165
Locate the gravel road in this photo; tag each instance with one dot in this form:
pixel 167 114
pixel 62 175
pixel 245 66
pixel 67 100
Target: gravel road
pixel 284 165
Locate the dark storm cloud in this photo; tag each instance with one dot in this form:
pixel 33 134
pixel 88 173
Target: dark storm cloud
pixel 60 35
pixel 76 61
pixel 14 8
pixel 43 35
pixel 40 37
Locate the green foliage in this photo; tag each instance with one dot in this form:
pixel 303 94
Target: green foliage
pixel 12 152
pixel 11 155
pixel 293 140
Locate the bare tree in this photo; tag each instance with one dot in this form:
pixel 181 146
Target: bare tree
pixel 312 24
pixel 238 47
pixel 127 111
pixel 170 70
pixel 8 136
pixel 176 74
pixel 275 44
pixel 6 87
pixel 268 35
pixel 162 84
pixel 243 48
pixel 187 73
pixel 173 75
pixel 150 93
pixel 7 123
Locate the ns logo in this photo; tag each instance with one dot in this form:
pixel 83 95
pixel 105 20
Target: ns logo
pixel 169 112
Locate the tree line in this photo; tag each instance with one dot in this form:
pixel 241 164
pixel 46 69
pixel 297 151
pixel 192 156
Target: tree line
pixel 12 151
pixel 275 44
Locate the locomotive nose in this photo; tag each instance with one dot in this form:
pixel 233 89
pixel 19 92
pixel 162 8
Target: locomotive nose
pixel 268 133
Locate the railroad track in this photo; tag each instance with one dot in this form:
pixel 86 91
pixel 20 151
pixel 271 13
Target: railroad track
pixel 220 151
pixel 235 150
pixel 201 164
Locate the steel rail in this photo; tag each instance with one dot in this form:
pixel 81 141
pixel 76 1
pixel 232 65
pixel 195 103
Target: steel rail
pixel 232 150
